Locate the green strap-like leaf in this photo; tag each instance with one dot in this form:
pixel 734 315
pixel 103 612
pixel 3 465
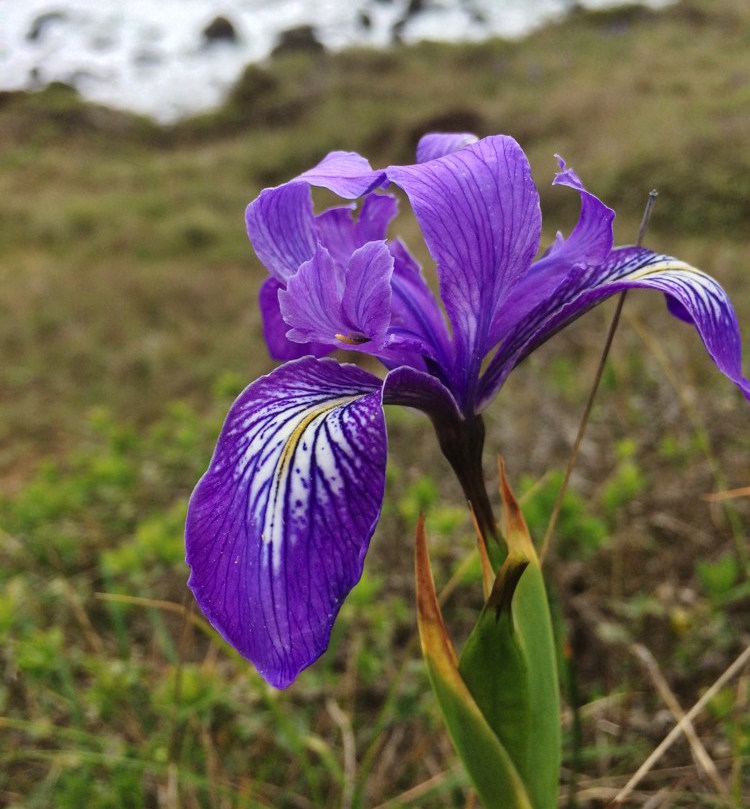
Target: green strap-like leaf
pixel 509 663
pixel 494 668
pixel 486 760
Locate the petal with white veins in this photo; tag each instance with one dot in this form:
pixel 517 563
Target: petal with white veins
pixel 279 525
pixel 692 296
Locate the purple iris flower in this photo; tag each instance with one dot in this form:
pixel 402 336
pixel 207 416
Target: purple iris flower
pixel 278 527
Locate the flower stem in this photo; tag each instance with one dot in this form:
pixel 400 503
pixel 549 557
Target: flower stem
pixel 462 443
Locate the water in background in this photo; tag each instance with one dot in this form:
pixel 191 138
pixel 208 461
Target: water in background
pixel 154 57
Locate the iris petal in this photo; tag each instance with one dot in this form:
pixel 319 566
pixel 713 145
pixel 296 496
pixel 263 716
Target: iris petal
pixel 275 329
pixel 327 303
pixel 414 308
pixel 367 292
pixel 347 174
pixel 280 221
pixel 279 525
pixel 281 226
pixel 693 296
pixel 439 144
pixel 342 234
pixel 589 244
pixel 591 240
pixel 479 213
pixel 311 303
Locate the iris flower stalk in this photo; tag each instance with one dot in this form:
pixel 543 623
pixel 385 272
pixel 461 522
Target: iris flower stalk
pixel 279 525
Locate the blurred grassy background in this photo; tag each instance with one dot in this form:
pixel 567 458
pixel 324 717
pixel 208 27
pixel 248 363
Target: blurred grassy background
pixel 129 321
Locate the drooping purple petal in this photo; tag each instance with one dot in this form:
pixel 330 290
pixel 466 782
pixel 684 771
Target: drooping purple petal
pixel 589 244
pixel 692 295
pixel 478 210
pixel 345 306
pixel 438 144
pixel 275 329
pixel 278 527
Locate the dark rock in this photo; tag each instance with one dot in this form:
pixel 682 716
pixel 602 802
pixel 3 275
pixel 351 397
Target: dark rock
pixel 35 78
pixel 301 38
pixel 102 42
pixel 147 58
pixel 220 29
pixel 43 22
pixel 8 97
pixel 415 7
pixel 254 88
pixel 364 20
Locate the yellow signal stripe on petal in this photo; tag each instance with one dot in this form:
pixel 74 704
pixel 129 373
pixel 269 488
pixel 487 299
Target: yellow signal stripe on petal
pixel 294 438
pixel 670 265
pixel 274 521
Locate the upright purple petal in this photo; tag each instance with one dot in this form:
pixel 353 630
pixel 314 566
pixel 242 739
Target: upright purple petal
pixel 336 231
pixel 378 211
pixel 479 213
pixel 591 240
pixel 280 221
pixel 692 295
pixel 367 293
pixel 311 303
pixel 279 525
pixel 438 144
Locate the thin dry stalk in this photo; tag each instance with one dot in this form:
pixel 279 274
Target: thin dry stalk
pixel 657 800
pixel 582 428
pixel 734 668
pixel 728 494
pixel 594 390
pixel 81 616
pixel 349 751
pixel 701 756
pixel 414 793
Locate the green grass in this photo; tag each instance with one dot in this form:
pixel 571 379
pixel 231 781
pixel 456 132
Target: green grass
pixel 128 322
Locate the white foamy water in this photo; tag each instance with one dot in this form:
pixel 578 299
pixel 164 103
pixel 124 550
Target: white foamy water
pixel 150 56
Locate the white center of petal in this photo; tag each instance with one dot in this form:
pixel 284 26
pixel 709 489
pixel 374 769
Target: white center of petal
pixel 303 454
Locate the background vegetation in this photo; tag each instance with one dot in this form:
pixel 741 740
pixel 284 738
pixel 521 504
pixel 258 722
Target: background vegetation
pixel 128 321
